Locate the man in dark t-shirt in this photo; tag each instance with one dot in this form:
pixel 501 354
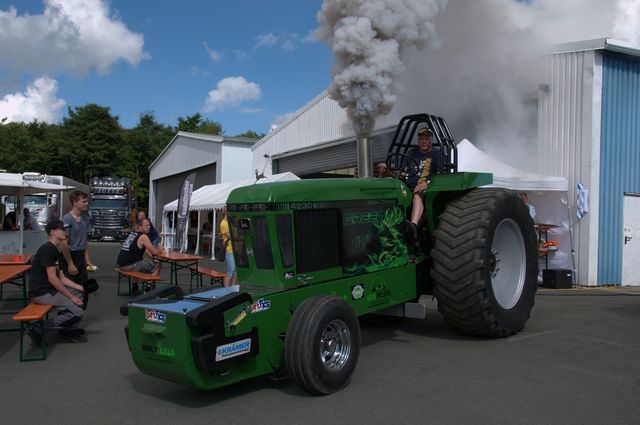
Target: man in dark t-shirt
pixel 429 161
pixel 47 285
pixel 131 257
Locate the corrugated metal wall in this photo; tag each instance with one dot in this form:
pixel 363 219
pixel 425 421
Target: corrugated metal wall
pixel 565 138
pixel 619 157
pixel 186 153
pixel 322 120
pixel 335 157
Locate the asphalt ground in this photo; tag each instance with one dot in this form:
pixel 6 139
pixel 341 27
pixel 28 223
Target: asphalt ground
pixel 576 362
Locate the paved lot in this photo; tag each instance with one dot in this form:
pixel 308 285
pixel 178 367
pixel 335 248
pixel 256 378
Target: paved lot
pixel 575 363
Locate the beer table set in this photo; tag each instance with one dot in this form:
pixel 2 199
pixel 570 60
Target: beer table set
pixel 13 269
pixel 178 261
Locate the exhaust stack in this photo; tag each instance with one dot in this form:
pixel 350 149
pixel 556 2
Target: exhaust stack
pixel 365 158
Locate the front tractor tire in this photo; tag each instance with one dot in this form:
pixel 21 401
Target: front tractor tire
pixel 485 263
pixel 322 344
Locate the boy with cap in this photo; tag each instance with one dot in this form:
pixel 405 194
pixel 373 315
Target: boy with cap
pixel 48 285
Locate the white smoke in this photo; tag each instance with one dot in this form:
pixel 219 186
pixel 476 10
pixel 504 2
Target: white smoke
pixel 627 21
pixel 484 77
pixel 371 40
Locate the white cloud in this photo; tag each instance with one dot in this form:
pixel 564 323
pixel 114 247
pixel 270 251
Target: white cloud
pixel 71 35
pixel 285 41
pixel 231 91
pixel 39 102
pixel 280 119
pixel 213 54
pixel 266 40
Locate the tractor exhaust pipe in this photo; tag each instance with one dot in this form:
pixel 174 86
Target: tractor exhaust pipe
pixel 365 158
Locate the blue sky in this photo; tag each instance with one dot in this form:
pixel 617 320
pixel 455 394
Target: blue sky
pixel 245 64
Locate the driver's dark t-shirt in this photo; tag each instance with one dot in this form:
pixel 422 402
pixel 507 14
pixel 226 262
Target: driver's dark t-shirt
pixel 46 256
pixel 428 164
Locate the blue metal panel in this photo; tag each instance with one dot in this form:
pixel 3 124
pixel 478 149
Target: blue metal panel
pixel 619 158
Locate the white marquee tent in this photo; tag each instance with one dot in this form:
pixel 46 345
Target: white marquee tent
pixel 213 197
pixel 548 194
pixel 19 185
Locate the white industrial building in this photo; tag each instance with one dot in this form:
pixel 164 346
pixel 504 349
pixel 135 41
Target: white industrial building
pixel 588 132
pixel 215 159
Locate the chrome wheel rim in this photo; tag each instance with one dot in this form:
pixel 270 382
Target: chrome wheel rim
pixel 507 263
pixel 335 345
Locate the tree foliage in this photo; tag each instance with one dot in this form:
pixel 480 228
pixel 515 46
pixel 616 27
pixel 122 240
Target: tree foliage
pixel 91 142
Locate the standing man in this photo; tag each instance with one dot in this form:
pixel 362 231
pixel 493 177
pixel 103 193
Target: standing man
pixel 75 249
pixel 48 285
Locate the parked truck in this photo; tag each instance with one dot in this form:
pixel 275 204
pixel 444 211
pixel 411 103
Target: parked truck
pixel 112 206
pixel 312 256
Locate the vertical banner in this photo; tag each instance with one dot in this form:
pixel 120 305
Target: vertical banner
pixel 184 199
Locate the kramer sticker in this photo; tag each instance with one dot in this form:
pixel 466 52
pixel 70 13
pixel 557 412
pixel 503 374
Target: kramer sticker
pixel 260 305
pixel 233 349
pixel 155 316
pixel 357 291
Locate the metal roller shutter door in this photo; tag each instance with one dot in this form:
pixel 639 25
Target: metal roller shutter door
pixel 332 158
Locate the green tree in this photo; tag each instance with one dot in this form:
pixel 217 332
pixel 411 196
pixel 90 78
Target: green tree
pixel 195 124
pixel 190 123
pixel 251 134
pixel 143 145
pixel 92 140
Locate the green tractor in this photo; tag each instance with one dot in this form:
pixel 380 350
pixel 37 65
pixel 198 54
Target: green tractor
pixel 312 256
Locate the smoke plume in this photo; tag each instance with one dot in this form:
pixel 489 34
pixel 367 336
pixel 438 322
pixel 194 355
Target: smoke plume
pixel 484 76
pixel 371 40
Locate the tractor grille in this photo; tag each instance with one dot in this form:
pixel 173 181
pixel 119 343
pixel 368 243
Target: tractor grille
pixel 317 240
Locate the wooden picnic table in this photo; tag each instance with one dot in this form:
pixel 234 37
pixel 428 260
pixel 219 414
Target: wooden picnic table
pixel 178 261
pixel 15 274
pixel 10 259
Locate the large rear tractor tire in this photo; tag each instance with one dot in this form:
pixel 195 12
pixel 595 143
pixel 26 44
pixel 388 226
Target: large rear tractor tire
pixel 322 344
pixel 485 263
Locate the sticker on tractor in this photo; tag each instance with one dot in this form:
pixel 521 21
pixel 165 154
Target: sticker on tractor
pixel 155 316
pixel 233 349
pixel 357 291
pixel 380 294
pixel 260 305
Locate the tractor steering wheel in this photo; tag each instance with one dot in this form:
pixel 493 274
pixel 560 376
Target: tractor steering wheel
pixel 401 165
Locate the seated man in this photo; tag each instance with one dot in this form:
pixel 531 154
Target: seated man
pixel 131 257
pixel 48 285
pixel 30 222
pixel 429 160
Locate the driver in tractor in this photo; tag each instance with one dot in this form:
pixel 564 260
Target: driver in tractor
pixel 427 160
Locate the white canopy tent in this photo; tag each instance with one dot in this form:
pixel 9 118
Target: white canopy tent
pixel 19 185
pixel 213 197
pixel 548 194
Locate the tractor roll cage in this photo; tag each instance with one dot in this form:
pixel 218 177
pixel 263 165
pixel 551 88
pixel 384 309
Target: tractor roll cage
pixel 403 139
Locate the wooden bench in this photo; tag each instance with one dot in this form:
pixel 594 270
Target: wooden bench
pixel 33 317
pixel 214 275
pixel 147 278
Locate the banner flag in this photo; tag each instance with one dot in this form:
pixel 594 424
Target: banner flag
pixel 184 199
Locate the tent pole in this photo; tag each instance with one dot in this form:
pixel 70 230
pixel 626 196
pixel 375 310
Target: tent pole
pixel 20 220
pixel 197 250
pixel 173 230
pixel 214 232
